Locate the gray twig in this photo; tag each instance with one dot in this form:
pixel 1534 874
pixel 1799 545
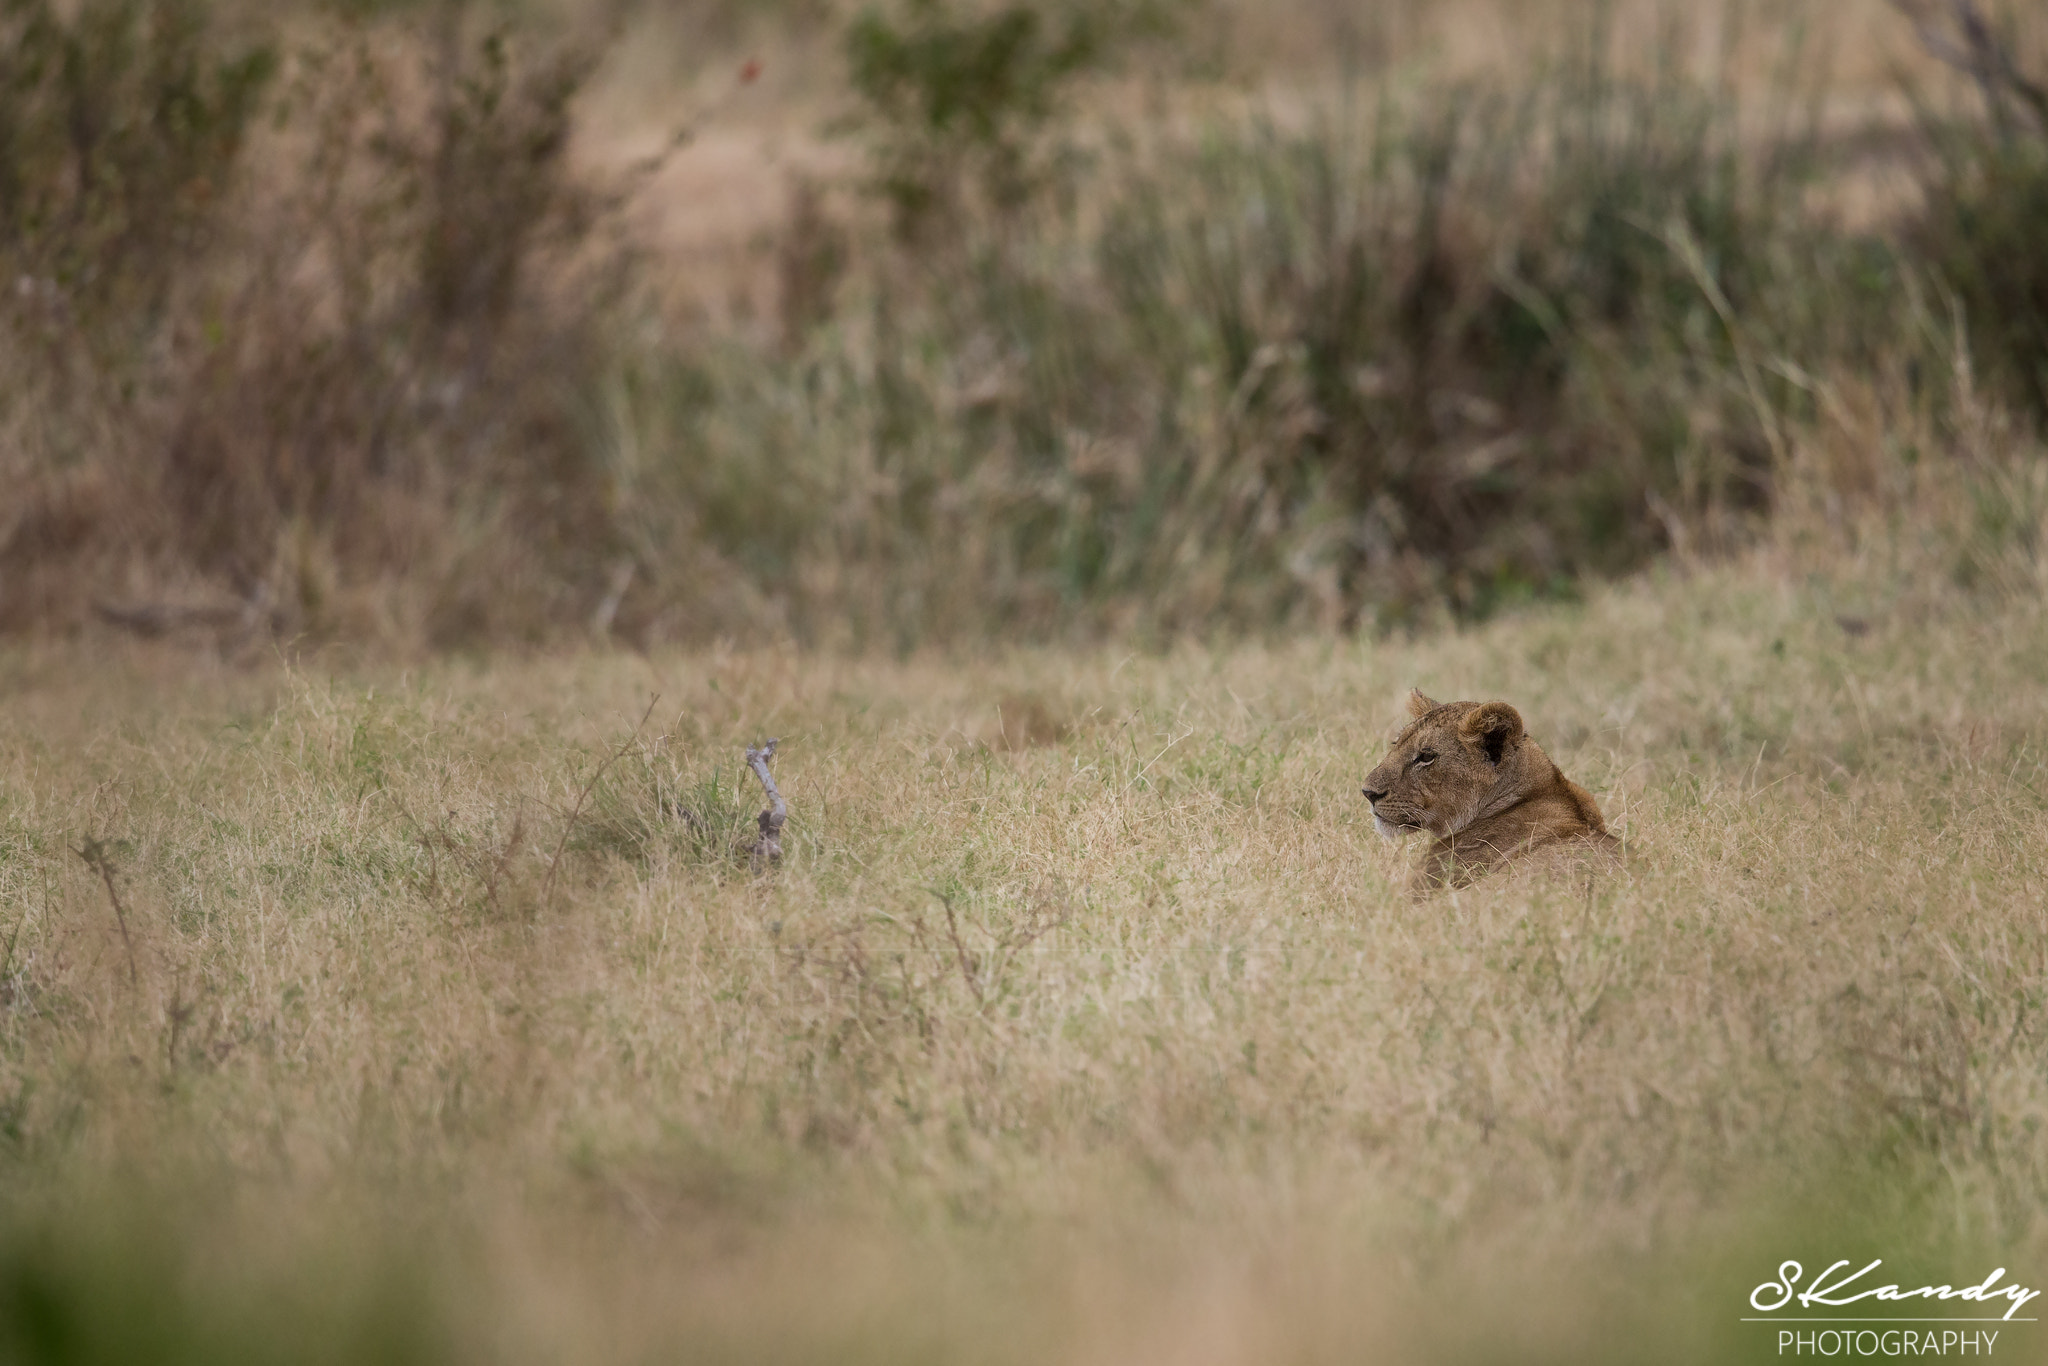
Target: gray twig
pixel 768 847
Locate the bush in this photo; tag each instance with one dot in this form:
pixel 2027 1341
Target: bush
pixel 957 99
pixel 1356 368
pixel 122 124
pixel 1984 227
pixel 428 376
pixel 1457 351
pixel 1986 232
pixel 352 396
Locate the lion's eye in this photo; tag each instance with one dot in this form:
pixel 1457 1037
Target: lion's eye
pixel 1424 759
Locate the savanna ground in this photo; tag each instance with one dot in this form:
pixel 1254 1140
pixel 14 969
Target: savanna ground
pixel 1084 1018
pixel 384 977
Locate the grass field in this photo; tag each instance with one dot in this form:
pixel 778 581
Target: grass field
pixel 442 437
pixel 1085 1018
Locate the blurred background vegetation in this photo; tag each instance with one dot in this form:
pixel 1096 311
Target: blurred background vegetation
pixel 369 322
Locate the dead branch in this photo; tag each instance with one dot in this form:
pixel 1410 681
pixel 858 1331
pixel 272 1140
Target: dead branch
pixel 1038 923
pixel 178 1016
pixel 7 966
pixel 547 891
pixel 513 841
pixel 984 972
pixel 968 962
pixel 95 855
pixel 767 848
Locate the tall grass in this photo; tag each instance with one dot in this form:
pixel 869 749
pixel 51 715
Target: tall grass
pixel 1083 996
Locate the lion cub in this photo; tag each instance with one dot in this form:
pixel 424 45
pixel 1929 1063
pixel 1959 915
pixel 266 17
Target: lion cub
pixel 1468 773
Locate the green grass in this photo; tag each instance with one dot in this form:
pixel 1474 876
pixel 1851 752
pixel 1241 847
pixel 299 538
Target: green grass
pixel 1084 1017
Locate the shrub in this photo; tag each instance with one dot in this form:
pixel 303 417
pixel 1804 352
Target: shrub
pixel 122 124
pixel 350 396
pixel 1355 367
pixel 1984 227
pixel 957 99
pixel 426 378
pixel 1457 350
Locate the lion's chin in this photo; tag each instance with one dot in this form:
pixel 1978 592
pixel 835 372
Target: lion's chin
pixel 1388 830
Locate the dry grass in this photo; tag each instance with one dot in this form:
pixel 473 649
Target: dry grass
pixel 1084 1019
pixel 350 1013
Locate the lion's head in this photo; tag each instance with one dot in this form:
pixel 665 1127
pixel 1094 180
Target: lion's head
pixel 1450 765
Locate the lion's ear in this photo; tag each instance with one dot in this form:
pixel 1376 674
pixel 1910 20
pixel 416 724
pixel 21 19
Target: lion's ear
pixel 1418 705
pixel 1494 725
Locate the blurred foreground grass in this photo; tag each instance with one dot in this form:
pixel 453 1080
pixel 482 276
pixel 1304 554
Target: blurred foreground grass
pixel 1084 1020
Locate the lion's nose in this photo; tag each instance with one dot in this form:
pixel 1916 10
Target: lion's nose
pixel 1372 796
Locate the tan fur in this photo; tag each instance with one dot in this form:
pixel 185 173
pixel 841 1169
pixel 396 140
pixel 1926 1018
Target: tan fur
pixel 1468 773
